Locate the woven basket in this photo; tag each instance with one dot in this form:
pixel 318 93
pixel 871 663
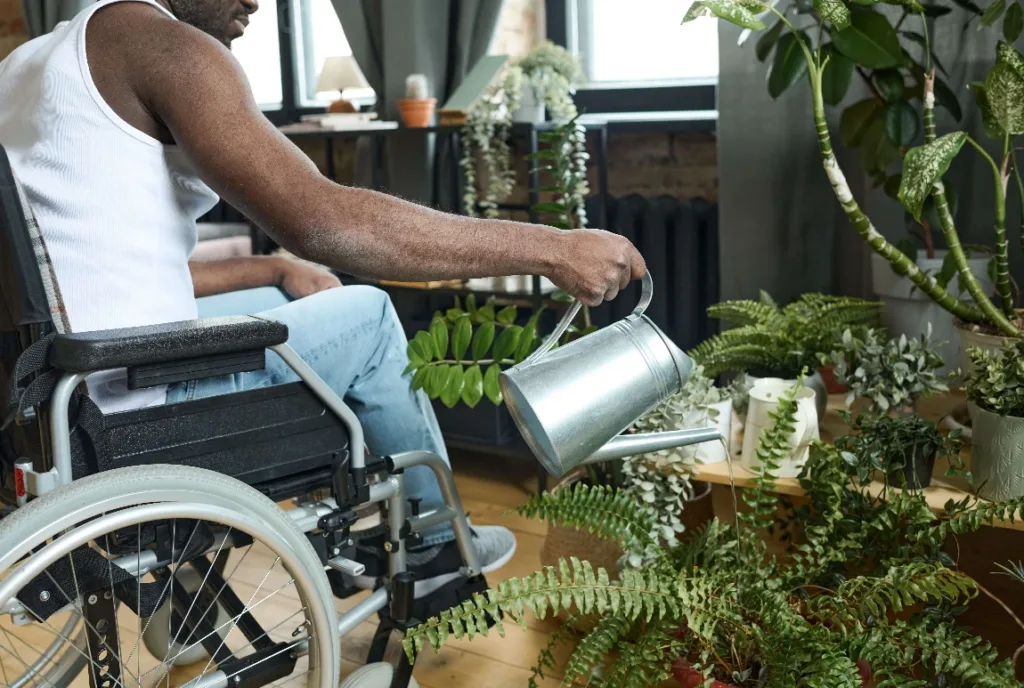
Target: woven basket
pixel 564 542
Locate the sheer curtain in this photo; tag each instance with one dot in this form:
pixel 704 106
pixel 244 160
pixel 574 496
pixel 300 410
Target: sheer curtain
pixel 42 15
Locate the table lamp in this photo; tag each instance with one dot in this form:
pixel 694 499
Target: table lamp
pixel 338 74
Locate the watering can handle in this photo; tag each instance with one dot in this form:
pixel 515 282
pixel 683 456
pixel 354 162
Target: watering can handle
pixel 646 292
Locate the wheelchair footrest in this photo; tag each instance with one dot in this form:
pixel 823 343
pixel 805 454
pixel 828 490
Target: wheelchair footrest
pixel 450 595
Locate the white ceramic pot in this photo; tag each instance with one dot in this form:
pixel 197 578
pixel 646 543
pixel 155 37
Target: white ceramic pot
pixel 714 452
pixel 531 110
pixel 764 400
pixel 998 454
pixel 814 382
pixel 908 310
pixel 970 339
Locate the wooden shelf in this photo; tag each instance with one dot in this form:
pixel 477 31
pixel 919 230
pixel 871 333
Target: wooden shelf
pixel 941 490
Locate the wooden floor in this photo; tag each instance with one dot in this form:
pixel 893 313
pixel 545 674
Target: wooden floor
pixel 489 488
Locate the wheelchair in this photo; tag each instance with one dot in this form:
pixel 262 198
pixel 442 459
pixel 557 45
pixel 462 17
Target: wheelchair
pixel 212 543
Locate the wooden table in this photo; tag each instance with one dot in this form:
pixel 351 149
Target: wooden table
pixel 941 490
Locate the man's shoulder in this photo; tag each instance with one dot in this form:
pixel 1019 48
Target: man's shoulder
pixel 143 34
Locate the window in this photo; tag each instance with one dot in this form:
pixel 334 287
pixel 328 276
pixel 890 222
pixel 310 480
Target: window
pixel 320 37
pixel 643 41
pixel 259 52
pixel 285 87
pixel 639 57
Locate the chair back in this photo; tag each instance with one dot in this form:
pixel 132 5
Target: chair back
pixel 30 308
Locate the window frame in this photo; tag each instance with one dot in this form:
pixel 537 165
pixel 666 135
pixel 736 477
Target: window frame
pixel 617 97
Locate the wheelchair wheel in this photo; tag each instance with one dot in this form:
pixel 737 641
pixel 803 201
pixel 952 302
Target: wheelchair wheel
pixel 71 593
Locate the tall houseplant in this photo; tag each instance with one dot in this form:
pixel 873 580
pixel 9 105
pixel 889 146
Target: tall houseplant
pixel 828 39
pixel 870 590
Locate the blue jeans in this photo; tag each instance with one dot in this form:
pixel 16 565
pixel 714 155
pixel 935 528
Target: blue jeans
pixel 352 338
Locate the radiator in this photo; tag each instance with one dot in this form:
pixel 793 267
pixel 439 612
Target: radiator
pixel 679 241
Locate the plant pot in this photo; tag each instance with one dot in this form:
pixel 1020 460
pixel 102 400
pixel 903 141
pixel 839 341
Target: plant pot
pixel 689 677
pixel 971 336
pixel 417 113
pixel 815 382
pixel 563 542
pixel 908 310
pixel 998 454
pixel 764 400
pixel 531 110
pixel 700 510
pixel 916 473
pixel 828 376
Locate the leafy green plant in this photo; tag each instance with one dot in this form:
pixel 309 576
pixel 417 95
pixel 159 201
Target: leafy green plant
pixel 996 383
pixel 661 480
pixel 841 33
pixel 869 584
pixel 779 342
pixel 562 158
pixel 892 444
pixel 892 373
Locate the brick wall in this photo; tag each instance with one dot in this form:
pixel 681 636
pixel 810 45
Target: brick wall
pixel 12 26
pixel 520 27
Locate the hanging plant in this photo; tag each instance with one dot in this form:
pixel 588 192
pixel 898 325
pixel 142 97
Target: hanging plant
pixel 551 72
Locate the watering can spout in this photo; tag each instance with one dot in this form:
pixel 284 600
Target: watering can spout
pixel 631 445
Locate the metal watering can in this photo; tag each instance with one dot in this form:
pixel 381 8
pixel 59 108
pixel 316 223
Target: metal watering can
pixel 571 404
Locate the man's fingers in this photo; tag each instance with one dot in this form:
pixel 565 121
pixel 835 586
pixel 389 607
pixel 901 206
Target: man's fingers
pixel 639 266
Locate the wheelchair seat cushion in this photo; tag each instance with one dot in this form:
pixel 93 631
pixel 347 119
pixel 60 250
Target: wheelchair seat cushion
pixel 88 351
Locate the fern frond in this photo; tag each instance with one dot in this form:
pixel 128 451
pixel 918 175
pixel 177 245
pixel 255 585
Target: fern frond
pixel 772 448
pixel 638 594
pixel 642 664
pixel 865 597
pixel 743 312
pixel 895 650
pixel 599 509
pixel 546 659
pixel 593 649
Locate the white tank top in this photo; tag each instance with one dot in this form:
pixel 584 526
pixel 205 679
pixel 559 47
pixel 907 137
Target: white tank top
pixel 116 208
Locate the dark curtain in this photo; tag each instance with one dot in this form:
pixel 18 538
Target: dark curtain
pixel 392 39
pixel 781 228
pixel 42 15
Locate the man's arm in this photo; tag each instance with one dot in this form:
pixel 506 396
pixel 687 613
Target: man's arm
pixel 298 279
pixel 195 87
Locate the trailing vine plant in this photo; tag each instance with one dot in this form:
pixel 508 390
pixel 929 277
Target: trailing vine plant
pixel 551 72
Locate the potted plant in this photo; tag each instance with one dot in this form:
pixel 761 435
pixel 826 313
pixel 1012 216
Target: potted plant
pixel 903 448
pixel 869 591
pixel 892 373
pixel 779 342
pixel 859 38
pixel 995 392
pixel 547 76
pixel 417 108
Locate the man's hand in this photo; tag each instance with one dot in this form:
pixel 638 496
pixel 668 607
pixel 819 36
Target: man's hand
pixel 596 265
pixel 300 279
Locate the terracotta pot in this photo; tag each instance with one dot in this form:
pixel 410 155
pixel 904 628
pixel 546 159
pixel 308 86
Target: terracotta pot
pixel 689 677
pixel 417 113
pixel 828 376
pixel 700 510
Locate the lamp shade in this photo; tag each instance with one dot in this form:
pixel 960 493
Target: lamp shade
pixel 340 73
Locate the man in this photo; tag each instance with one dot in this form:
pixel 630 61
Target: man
pixel 127 123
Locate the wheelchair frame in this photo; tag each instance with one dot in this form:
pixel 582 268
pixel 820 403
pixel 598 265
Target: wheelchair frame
pixel 398 589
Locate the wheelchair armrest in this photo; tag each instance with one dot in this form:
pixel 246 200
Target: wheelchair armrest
pixel 169 342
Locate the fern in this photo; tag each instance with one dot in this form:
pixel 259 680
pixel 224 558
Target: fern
pixel 642 664
pixel 774 341
pixel 546 659
pixel 601 510
pixel 592 651
pixel 634 596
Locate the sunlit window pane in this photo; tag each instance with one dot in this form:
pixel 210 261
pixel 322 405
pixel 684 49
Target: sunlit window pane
pixel 643 40
pixel 259 52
